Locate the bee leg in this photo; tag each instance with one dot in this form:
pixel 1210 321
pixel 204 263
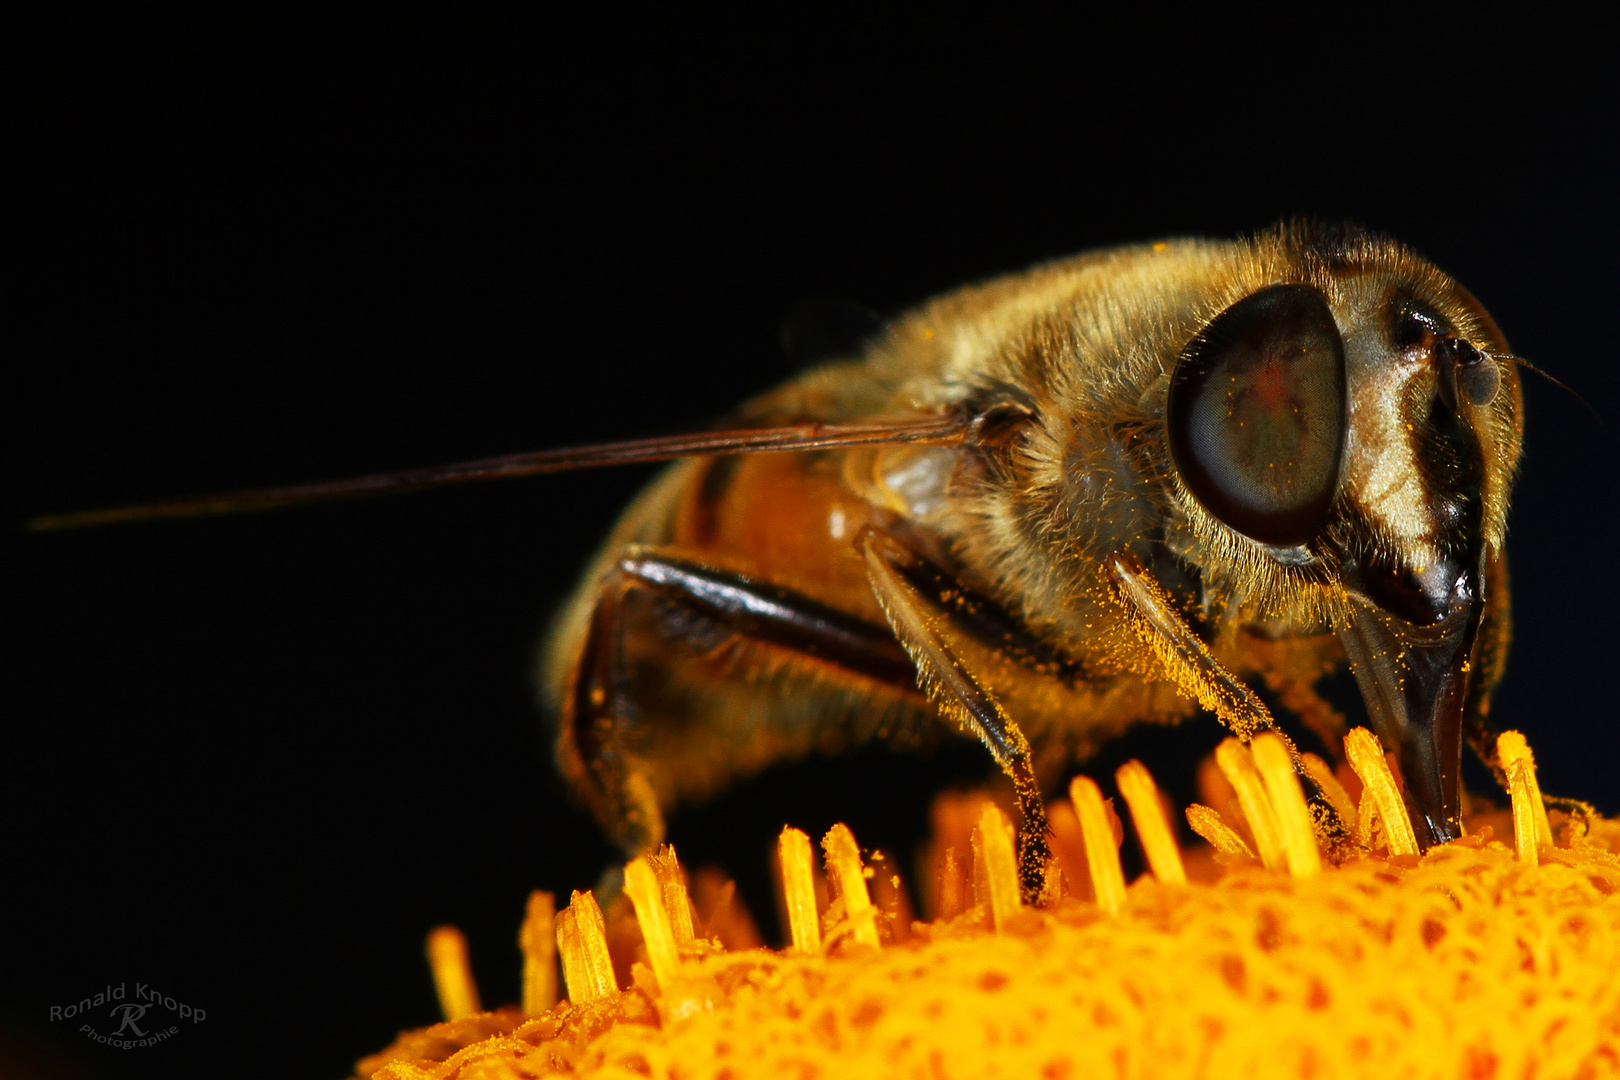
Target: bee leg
pixel 590 743
pixel 1205 679
pixel 957 692
pixel 593 748
pixel 1487 661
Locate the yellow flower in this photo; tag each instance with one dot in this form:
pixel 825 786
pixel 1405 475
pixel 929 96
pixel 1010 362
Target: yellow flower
pixel 1475 960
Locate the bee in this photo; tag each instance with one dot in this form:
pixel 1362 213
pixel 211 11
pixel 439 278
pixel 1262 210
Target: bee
pixel 1113 489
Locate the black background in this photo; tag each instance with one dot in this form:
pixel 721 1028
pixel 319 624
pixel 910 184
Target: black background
pixel 251 761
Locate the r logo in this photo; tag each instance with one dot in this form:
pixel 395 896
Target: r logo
pixel 131 1012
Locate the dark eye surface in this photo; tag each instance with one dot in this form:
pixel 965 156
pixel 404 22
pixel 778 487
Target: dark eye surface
pixel 1257 414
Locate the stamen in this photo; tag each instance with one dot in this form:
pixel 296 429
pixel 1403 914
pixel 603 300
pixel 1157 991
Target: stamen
pixel 642 886
pixel 576 973
pixel 593 943
pixel 1321 772
pixel 799 891
pixel 889 895
pixel 845 870
pixel 1054 886
pixel 539 947
pixel 1069 847
pixel 1524 812
pixel 976 866
pixel 728 920
pixel 993 849
pixel 1102 854
pixel 952 819
pixel 1237 765
pixel 1208 824
pixel 950 887
pixel 1511 747
pixel 1522 938
pixel 1293 817
pixel 668 870
pixel 452 975
pixel 1367 829
pixel 1147 814
pixel 1367 758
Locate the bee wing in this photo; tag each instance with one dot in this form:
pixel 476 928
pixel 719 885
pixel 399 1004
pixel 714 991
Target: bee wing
pixel 944 430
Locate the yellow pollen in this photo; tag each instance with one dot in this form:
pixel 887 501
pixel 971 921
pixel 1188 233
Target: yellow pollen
pixel 1147 814
pixel 799 891
pixel 452 975
pixel 1367 759
pixel 1293 817
pixel 1237 765
pixel 1321 772
pixel 1102 854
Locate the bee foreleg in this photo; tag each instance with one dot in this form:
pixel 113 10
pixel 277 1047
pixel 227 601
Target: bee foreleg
pixel 1487 661
pixel 958 693
pixel 592 744
pixel 1206 680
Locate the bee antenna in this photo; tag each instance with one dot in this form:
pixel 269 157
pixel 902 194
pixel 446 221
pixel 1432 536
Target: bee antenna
pixel 1527 365
pixel 948 429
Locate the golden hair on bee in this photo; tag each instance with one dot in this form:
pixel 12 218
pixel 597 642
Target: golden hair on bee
pixel 1189 463
pixel 1112 489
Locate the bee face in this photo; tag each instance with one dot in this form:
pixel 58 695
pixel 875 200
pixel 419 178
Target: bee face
pixel 1352 429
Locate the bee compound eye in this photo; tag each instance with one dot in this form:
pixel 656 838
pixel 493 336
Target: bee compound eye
pixel 1477 375
pixel 1257 414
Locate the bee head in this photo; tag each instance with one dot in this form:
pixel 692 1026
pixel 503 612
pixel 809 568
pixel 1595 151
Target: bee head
pixel 1345 412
